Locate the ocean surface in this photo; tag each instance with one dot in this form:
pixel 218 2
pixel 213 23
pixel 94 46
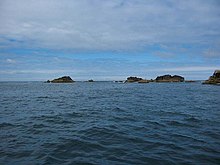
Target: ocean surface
pixel 109 123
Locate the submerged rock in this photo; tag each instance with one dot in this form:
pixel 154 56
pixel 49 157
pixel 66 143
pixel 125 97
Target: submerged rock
pixel 64 79
pixel 169 78
pixel 214 79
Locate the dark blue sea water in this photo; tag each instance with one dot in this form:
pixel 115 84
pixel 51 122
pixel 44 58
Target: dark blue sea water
pixel 109 123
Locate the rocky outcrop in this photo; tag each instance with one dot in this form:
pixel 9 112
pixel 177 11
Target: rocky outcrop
pixel 64 79
pixel 169 78
pixel 143 81
pixel 133 79
pixel 136 79
pixel 214 79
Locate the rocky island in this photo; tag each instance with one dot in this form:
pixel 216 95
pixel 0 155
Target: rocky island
pixel 64 79
pixel 136 79
pixel 169 78
pixel 133 79
pixel 214 79
pixel 164 78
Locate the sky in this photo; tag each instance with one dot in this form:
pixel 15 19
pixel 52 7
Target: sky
pixel 108 39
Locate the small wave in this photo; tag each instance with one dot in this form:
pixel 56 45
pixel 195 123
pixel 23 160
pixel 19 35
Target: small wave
pixel 124 118
pixel 179 124
pixel 6 125
pixel 119 109
pixel 185 137
pixel 54 160
pixel 192 119
pixel 212 134
pixel 176 123
pixel 68 145
pixel 154 123
pixel 172 113
pixel 39 126
pixel 97 131
pixel 72 115
pixel 43 97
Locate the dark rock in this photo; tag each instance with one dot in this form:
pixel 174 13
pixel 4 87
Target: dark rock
pixel 169 78
pixel 214 79
pixel 91 80
pixel 64 79
pixel 48 81
pixel 120 81
pixel 133 79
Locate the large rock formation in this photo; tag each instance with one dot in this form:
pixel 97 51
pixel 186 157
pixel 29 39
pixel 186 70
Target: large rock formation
pixel 169 78
pixel 64 79
pixel 214 79
pixel 133 79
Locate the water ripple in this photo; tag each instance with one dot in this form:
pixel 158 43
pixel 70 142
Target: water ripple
pixel 109 123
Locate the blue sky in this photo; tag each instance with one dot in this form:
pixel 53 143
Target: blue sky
pixel 108 39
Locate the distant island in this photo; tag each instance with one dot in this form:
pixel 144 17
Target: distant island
pixel 135 79
pixel 164 78
pixel 214 79
pixel 64 79
pixel 169 78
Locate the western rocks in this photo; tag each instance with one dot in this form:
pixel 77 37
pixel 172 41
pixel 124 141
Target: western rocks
pixel 64 79
pixel 214 79
pixel 164 78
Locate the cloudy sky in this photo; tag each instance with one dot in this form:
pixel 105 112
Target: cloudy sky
pixel 108 39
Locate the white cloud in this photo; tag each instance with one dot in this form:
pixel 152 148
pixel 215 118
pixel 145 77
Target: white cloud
pixel 189 69
pixel 212 53
pixel 10 61
pixel 109 25
pixel 173 34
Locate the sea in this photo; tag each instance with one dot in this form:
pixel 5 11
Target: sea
pixel 108 123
